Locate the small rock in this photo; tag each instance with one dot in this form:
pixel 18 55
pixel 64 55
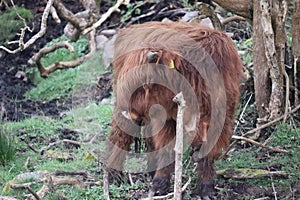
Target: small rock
pixel 100 41
pixel 21 75
pixel 108 52
pixel 108 32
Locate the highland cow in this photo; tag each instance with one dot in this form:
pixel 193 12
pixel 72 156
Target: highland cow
pixel 152 63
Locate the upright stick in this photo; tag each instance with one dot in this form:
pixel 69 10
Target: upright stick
pixel 179 99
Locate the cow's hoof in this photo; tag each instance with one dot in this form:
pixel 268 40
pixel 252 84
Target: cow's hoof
pixel 160 185
pixel 206 189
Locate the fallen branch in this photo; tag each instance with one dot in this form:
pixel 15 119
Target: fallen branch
pixel 259 144
pixel 106 185
pixel 273 186
pixel 92 140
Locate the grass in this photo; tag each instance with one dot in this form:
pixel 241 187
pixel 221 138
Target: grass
pixel 7 148
pixel 11 23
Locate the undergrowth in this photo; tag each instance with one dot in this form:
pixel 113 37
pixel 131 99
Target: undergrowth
pixel 11 23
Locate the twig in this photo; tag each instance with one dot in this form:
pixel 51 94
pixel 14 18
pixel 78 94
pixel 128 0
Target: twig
pixel 54 15
pixel 242 114
pixel 273 186
pixel 33 193
pixel 104 17
pixel 259 144
pixel 232 18
pixel 179 99
pixel 92 140
pixel 106 184
pixel 43 149
pixel 130 179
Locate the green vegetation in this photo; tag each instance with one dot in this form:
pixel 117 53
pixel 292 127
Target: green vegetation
pixel 11 23
pixel 132 9
pixel 7 147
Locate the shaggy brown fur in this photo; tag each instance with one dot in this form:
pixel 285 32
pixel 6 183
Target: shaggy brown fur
pixel 172 46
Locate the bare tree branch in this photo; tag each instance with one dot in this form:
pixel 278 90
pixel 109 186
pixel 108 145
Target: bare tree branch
pixel 104 17
pixel 67 14
pixel 243 8
pixel 45 71
pixel 36 36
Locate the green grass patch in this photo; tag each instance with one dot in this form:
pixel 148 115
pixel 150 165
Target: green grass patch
pixel 11 23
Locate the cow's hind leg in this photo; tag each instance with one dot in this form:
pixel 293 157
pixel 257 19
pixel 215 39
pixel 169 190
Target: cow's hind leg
pixel 117 147
pixel 163 143
pixel 207 172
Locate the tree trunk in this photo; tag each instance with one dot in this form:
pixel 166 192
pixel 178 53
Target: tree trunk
pixel 261 69
pixel 269 42
pixel 296 49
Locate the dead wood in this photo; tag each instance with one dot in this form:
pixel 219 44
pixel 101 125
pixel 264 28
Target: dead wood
pixel 51 180
pixel 259 144
pixel 179 99
pixel 106 185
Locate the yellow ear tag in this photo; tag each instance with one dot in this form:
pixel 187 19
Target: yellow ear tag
pixel 171 64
